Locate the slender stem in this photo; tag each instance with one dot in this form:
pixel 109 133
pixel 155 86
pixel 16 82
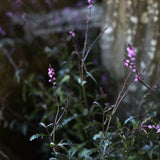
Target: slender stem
pixel 63 111
pixel 149 88
pixel 103 121
pixel 82 62
pixel 108 124
pixel 55 121
pixel 141 127
pixel 48 134
pixel 122 97
pixel 90 47
pixel 120 94
pixel 86 34
pixel 84 96
pixel 119 99
pixel 79 56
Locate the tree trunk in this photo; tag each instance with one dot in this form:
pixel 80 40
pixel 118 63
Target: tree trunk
pixel 137 23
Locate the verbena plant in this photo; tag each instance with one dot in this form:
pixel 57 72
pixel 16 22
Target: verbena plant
pixel 86 130
pixel 80 122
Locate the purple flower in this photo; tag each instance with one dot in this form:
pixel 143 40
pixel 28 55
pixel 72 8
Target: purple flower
pixel 158 130
pixel 90 6
pixel 131 52
pixel 51 74
pixel 134 70
pixel 155 86
pixel 130 61
pixel 90 3
pixel 137 77
pixel 153 126
pixel 72 33
pixel 150 126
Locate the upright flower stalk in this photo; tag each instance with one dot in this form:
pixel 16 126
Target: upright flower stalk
pixel 51 74
pixel 129 62
pixel 58 117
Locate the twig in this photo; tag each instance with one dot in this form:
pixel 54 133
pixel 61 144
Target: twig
pixel 63 111
pixel 90 47
pixel 55 121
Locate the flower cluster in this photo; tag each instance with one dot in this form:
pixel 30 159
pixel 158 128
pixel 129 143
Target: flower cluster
pixel 72 33
pixel 155 127
pixel 51 74
pixel 90 3
pixel 130 61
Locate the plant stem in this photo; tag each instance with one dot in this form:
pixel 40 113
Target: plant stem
pixel 120 94
pixel 90 47
pixel 108 124
pixel 119 99
pixel 63 111
pixel 55 121
pixel 157 97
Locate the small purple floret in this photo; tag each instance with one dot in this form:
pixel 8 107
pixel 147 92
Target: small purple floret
pixel 51 74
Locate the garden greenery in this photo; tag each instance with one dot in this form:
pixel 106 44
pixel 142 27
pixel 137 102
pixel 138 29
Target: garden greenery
pixel 76 118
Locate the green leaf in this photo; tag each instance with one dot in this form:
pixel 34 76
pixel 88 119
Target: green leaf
pixel 77 148
pixel 130 119
pixel 82 83
pixel 91 76
pixel 52 145
pixel 47 50
pixel 99 135
pixel 91 124
pixel 105 146
pixel 85 153
pixel 42 124
pixel 136 123
pixel 50 124
pixel 118 122
pixel 62 146
pixel 65 121
pixel 69 119
pixel 132 140
pixel 35 136
pixel 18 75
pixel 141 152
pixel 96 103
pixel 66 78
